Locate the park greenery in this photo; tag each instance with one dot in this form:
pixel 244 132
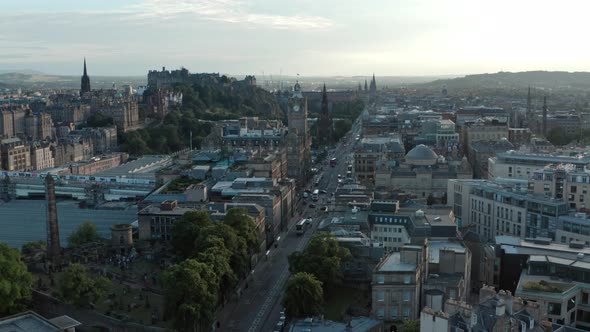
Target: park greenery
pixel 322 258
pixel 216 256
pixel 201 103
pixel 303 296
pixel 15 281
pixel 343 115
pixel 85 233
pixel 77 286
pixel 559 136
pixel 33 247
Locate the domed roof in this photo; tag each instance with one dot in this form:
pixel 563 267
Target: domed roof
pixel 421 153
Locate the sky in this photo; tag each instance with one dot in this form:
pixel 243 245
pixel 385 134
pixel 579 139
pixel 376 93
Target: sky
pixel 309 37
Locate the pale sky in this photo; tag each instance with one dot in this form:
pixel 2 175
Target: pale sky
pixel 310 37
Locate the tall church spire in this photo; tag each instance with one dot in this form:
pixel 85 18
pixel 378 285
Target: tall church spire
pixel 373 86
pixel 85 86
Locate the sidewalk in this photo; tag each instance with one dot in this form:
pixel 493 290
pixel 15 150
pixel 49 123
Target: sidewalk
pixel 257 281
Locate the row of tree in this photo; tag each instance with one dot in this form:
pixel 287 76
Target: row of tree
pixel 216 256
pixel 316 272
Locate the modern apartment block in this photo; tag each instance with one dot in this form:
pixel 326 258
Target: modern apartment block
pixel 518 165
pixel 556 276
pixel 492 209
pixel 565 182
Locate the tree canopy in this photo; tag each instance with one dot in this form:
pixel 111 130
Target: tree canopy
pixel 303 295
pixel 15 281
pixel 410 326
pixel 243 224
pixel 187 230
pixel 322 257
pixel 85 233
pixel 79 287
pixel 191 290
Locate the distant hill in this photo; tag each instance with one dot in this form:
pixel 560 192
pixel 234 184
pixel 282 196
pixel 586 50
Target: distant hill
pixel 21 71
pixel 40 80
pixel 555 80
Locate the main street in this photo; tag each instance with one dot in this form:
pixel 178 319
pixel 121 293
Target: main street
pixel 259 306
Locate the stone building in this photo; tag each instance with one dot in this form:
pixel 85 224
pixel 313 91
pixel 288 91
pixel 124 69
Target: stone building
pixel 41 157
pixel 16 155
pixel 38 126
pixel 424 173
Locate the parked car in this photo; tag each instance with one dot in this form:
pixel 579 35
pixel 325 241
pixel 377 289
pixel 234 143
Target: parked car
pixel 312 206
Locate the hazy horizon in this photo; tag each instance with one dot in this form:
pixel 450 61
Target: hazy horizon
pixel 405 38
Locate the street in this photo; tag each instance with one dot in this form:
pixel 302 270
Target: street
pixel 259 306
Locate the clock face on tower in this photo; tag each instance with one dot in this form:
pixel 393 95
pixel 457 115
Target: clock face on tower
pixel 296 108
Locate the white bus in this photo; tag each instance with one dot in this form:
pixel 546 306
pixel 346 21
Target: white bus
pixel 301 226
pixel 315 195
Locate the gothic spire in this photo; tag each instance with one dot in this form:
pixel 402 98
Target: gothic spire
pixel 85 82
pixel 85 73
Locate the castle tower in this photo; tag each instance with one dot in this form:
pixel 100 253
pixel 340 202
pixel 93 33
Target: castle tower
pixel 85 86
pixel 545 116
pixel 53 246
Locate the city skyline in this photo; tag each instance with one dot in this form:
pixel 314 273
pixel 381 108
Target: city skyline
pixel 406 38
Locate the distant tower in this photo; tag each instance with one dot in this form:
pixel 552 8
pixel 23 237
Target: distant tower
pixel 53 247
pixel 325 124
pixel 545 116
pixel 85 87
pixel 373 86
pixel 366 86
pixel 360 87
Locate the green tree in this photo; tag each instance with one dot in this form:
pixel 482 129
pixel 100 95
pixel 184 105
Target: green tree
pixel 99 120
pixel 323 258
pixel 187 230
pixel 218 257
pixel 33 246
pixel 558 136
pixel 239 260
pixel 410 326
pixel 244 225
pixel 190 294
pixel 303 295
pixel 15 281
pixel 79 287
pixel 341 127
pixel 85 233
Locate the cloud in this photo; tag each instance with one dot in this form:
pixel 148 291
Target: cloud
pixel 227 11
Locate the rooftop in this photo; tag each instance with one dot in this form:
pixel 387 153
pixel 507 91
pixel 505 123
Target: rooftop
pixel 357 324
pixel 434 248
pixel 144 167
pixel 28 321
pixel 393 263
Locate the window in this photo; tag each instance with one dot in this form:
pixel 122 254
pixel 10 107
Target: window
pixel 380 313
pixel 393 314
pixel 406 295
pixel 407 279
pixel 406 312
pixel 452 294
pixel 380 296
pixel 554 308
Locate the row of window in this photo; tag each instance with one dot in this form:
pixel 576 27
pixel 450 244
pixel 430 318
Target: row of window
pixel 393 315
pixel 380 279
pixel 406 296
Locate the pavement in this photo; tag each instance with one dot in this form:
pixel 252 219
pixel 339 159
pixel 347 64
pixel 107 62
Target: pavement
pixel 259 305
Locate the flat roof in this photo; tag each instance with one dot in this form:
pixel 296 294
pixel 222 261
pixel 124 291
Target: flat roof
pixel 434 248
pixel 393 263
pixel 28 321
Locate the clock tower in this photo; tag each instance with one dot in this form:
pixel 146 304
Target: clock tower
pixel 298 140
